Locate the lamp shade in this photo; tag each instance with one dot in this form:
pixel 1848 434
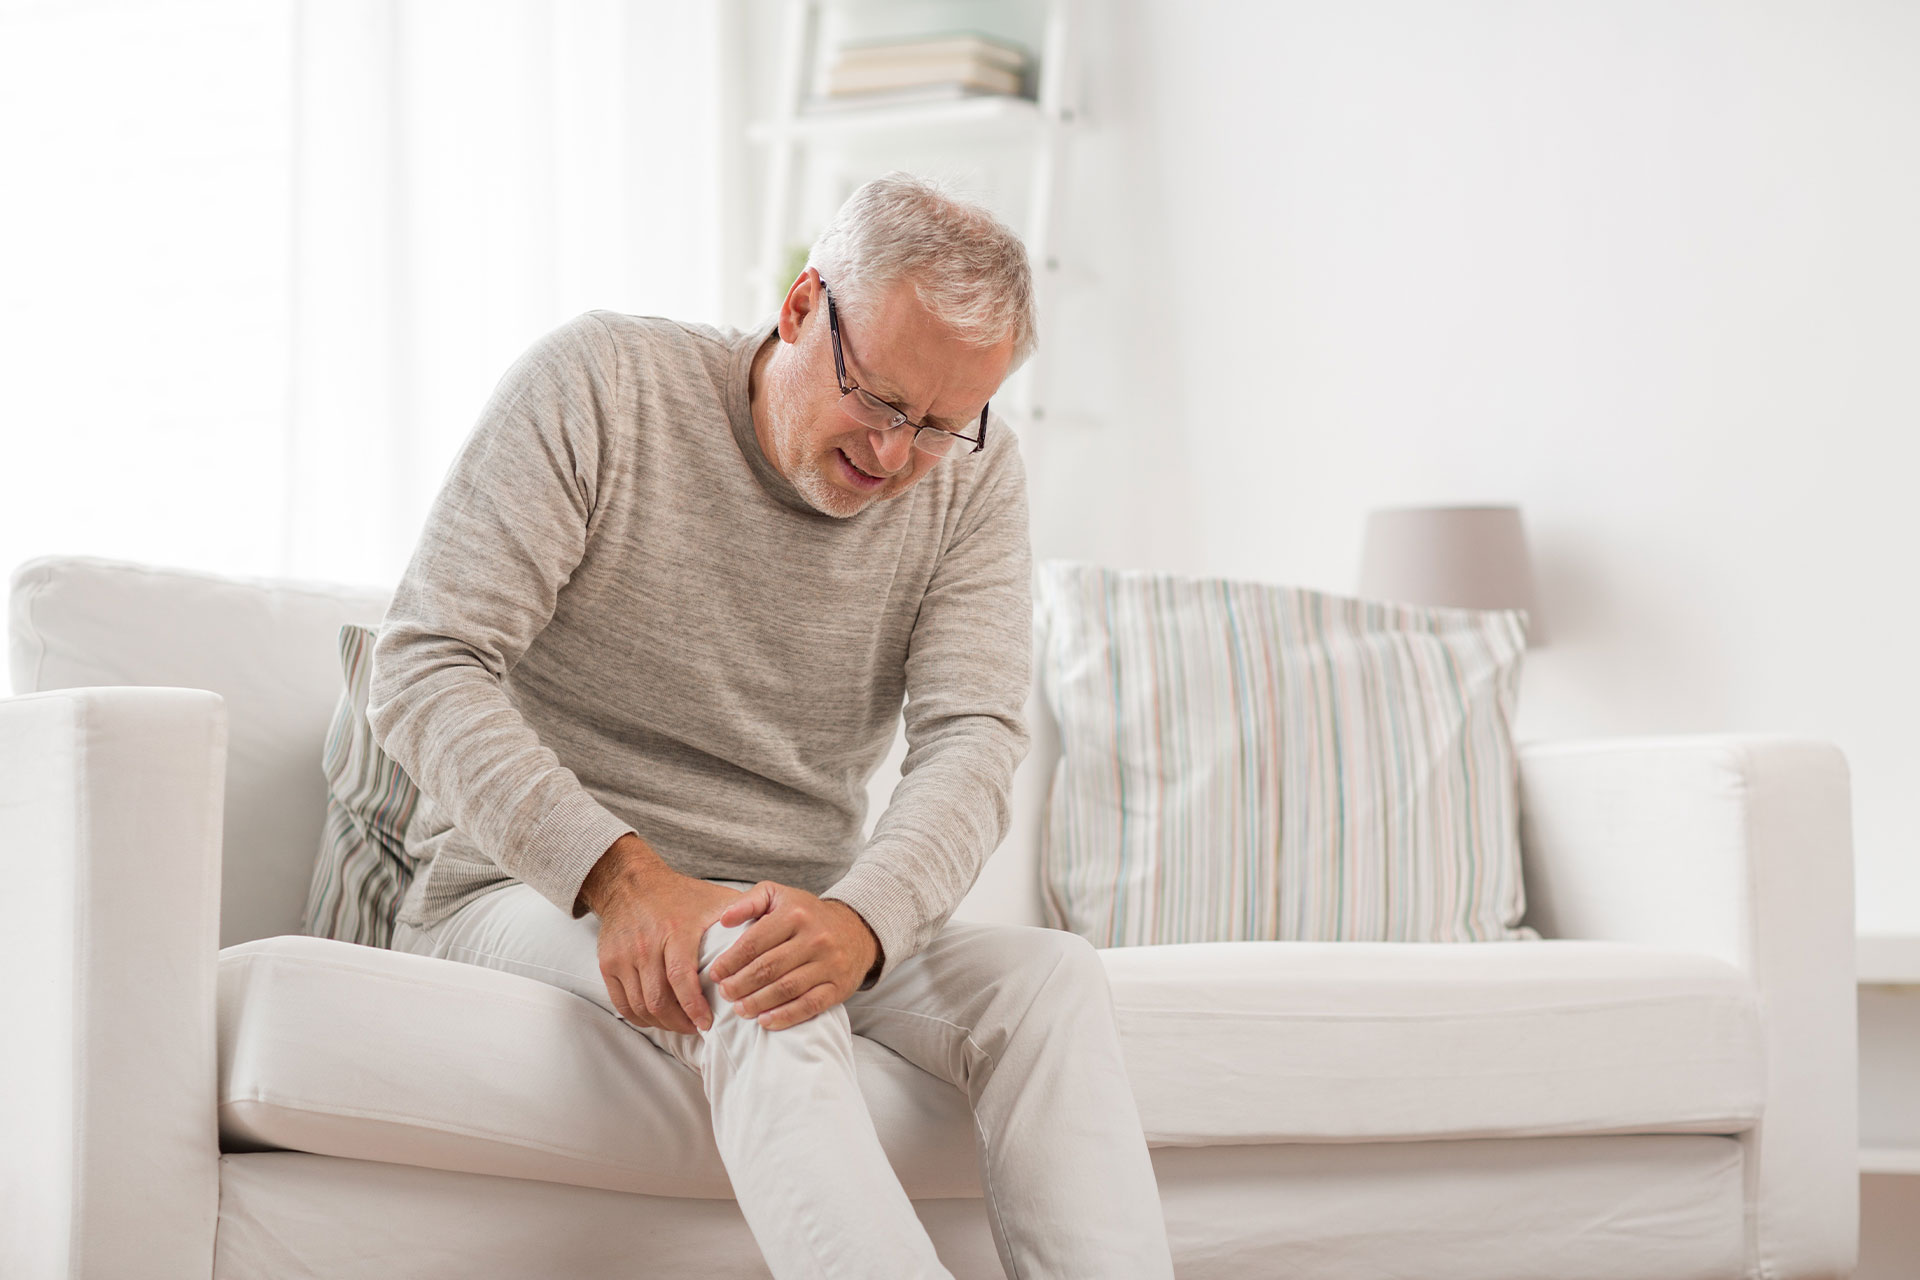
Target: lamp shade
pixel 1463 557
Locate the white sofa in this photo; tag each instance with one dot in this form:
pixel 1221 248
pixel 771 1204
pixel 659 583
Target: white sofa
pixel 1662 1089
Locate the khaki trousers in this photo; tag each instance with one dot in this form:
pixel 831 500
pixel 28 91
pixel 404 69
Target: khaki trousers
pixel 1019 1018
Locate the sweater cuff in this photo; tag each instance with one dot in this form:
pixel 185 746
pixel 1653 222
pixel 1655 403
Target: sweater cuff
pixel 573 836
pixel 885 906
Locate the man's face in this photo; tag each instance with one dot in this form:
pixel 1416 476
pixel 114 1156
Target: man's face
pixel 901 353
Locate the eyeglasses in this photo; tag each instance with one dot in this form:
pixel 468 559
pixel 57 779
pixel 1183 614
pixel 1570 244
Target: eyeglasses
pixel 869 410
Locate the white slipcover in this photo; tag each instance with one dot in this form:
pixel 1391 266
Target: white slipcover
pixel 1683 1047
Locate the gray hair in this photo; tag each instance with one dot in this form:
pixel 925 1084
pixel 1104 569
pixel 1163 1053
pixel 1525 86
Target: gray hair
pixel 966 266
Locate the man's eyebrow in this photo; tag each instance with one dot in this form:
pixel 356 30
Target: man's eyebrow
pixel 886 390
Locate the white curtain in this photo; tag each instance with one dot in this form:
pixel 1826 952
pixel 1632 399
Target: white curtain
pixel 143 291
pixel 265 262
pixel 468 176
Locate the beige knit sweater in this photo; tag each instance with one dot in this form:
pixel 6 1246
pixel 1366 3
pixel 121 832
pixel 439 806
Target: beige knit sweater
pixel 619 617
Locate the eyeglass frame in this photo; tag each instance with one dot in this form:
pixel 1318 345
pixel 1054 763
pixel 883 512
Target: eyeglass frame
pixel 847 388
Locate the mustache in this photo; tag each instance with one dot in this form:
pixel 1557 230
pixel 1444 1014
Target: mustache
pixel 879 473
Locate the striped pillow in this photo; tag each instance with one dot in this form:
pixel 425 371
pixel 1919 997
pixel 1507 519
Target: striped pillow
pixel 1244 761
pixel 362 868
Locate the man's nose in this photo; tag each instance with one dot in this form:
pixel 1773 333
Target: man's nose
pixel 892 447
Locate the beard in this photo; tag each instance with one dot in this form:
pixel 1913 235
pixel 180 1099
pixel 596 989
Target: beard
pixel 809 477
pixel 808 472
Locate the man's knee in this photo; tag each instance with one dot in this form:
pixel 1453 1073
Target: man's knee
pixel 715 941
pixel 1053 964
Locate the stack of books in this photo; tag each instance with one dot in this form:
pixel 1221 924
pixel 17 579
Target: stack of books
pixel 928 69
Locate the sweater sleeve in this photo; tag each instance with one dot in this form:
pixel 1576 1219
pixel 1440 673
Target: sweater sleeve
pixel 501 540
pixel 969 665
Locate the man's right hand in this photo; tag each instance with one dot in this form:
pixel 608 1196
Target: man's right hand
pixel 651 922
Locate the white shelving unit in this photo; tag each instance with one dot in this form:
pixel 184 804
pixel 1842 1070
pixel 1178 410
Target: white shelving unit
pixel 1032 129
pixel 1013 114
pixel 1888 974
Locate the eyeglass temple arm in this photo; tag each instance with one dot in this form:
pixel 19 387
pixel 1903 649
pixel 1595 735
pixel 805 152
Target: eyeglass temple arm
pixel 833 322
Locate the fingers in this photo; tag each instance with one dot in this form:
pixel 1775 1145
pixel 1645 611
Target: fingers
pixel 765 934
pixel 819 998
pixel 756 901
pixel 788 987
pixel 662 1005
pixel 623 1001
pixel 755 976
pixel 683 977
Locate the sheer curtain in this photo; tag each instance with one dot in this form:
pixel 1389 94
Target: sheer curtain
pixel 466 177
pixel 272 258
pixel 143 281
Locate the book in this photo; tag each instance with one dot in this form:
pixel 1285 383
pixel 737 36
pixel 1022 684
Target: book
pixel 963 44
pixel 970 73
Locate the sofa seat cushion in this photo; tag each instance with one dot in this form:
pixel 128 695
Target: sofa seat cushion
pixel 1232 1042
pixel 340 1049
pixel 346 1050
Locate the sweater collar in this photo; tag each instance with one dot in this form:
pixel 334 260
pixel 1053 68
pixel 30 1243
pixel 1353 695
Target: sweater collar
pixel 740 414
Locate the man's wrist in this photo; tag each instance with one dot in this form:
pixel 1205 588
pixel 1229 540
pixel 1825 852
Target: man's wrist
pixel 878 951
pixel 627 861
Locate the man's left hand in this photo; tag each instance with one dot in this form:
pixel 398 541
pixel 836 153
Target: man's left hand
pixel 800 958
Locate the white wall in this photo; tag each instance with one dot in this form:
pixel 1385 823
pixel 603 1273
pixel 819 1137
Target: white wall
pixel 1646 269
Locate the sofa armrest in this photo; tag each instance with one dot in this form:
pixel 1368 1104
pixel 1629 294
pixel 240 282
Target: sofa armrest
pixel 110 824
pixel 1739 846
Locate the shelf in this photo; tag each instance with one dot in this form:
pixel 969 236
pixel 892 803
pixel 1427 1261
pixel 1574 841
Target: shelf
pixel 810 143
pixel 1887 959
pixel 987 112
pixel 1890 1160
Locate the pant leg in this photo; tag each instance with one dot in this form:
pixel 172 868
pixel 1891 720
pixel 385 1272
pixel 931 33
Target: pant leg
pixel 1021 1019
pixel 791 1125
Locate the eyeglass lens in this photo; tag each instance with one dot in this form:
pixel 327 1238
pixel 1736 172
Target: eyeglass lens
pixel 869 411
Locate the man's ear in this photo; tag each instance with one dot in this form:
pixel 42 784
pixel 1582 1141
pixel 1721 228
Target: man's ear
pixel 803 296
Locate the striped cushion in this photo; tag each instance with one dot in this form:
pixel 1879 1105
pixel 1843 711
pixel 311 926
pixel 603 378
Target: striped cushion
pixel 362 869
pixel 1244 761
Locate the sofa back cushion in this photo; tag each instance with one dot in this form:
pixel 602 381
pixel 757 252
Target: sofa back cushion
pixel 1245 761
pixel 269 647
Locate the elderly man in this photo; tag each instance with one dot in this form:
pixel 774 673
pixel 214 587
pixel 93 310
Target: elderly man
pixel 652 644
